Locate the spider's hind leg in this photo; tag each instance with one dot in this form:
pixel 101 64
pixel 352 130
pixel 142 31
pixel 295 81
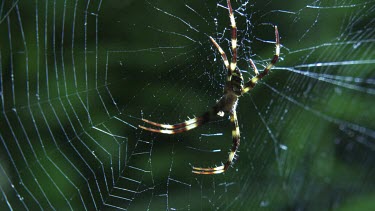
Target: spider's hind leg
pixel 174 126
pixel 179 127
pixel 232 153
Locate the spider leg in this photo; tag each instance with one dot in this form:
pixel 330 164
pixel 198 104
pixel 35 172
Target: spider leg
pixel 233 64
pixel 174 126
pixel 232 154
pixel 173 131
pixel 179 127
pixel 252 82
pixel 254 67
pixel 223 55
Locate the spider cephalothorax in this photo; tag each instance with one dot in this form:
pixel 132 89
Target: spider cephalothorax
pixel 227 104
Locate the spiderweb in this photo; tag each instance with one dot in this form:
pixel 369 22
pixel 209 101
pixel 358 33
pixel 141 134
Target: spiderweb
pixel 76 77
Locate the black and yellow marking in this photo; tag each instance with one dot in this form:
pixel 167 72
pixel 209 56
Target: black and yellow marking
pixel 233 64
pixel 232 153
pixel 179 127
pixel 223 55
pixel 235 135
pixel 182 127
pixel 252 82
pixel 173 131
pixel 175 126
pixel 215 170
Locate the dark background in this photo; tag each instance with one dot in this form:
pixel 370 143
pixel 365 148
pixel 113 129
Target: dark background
pixel 77 77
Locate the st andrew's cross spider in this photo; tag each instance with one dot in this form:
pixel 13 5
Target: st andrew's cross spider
pixel 233 89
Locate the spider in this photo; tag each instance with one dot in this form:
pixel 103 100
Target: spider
pixel 233 89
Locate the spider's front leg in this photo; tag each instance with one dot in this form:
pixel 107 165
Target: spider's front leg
pixel 253 81
pixel 232 153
